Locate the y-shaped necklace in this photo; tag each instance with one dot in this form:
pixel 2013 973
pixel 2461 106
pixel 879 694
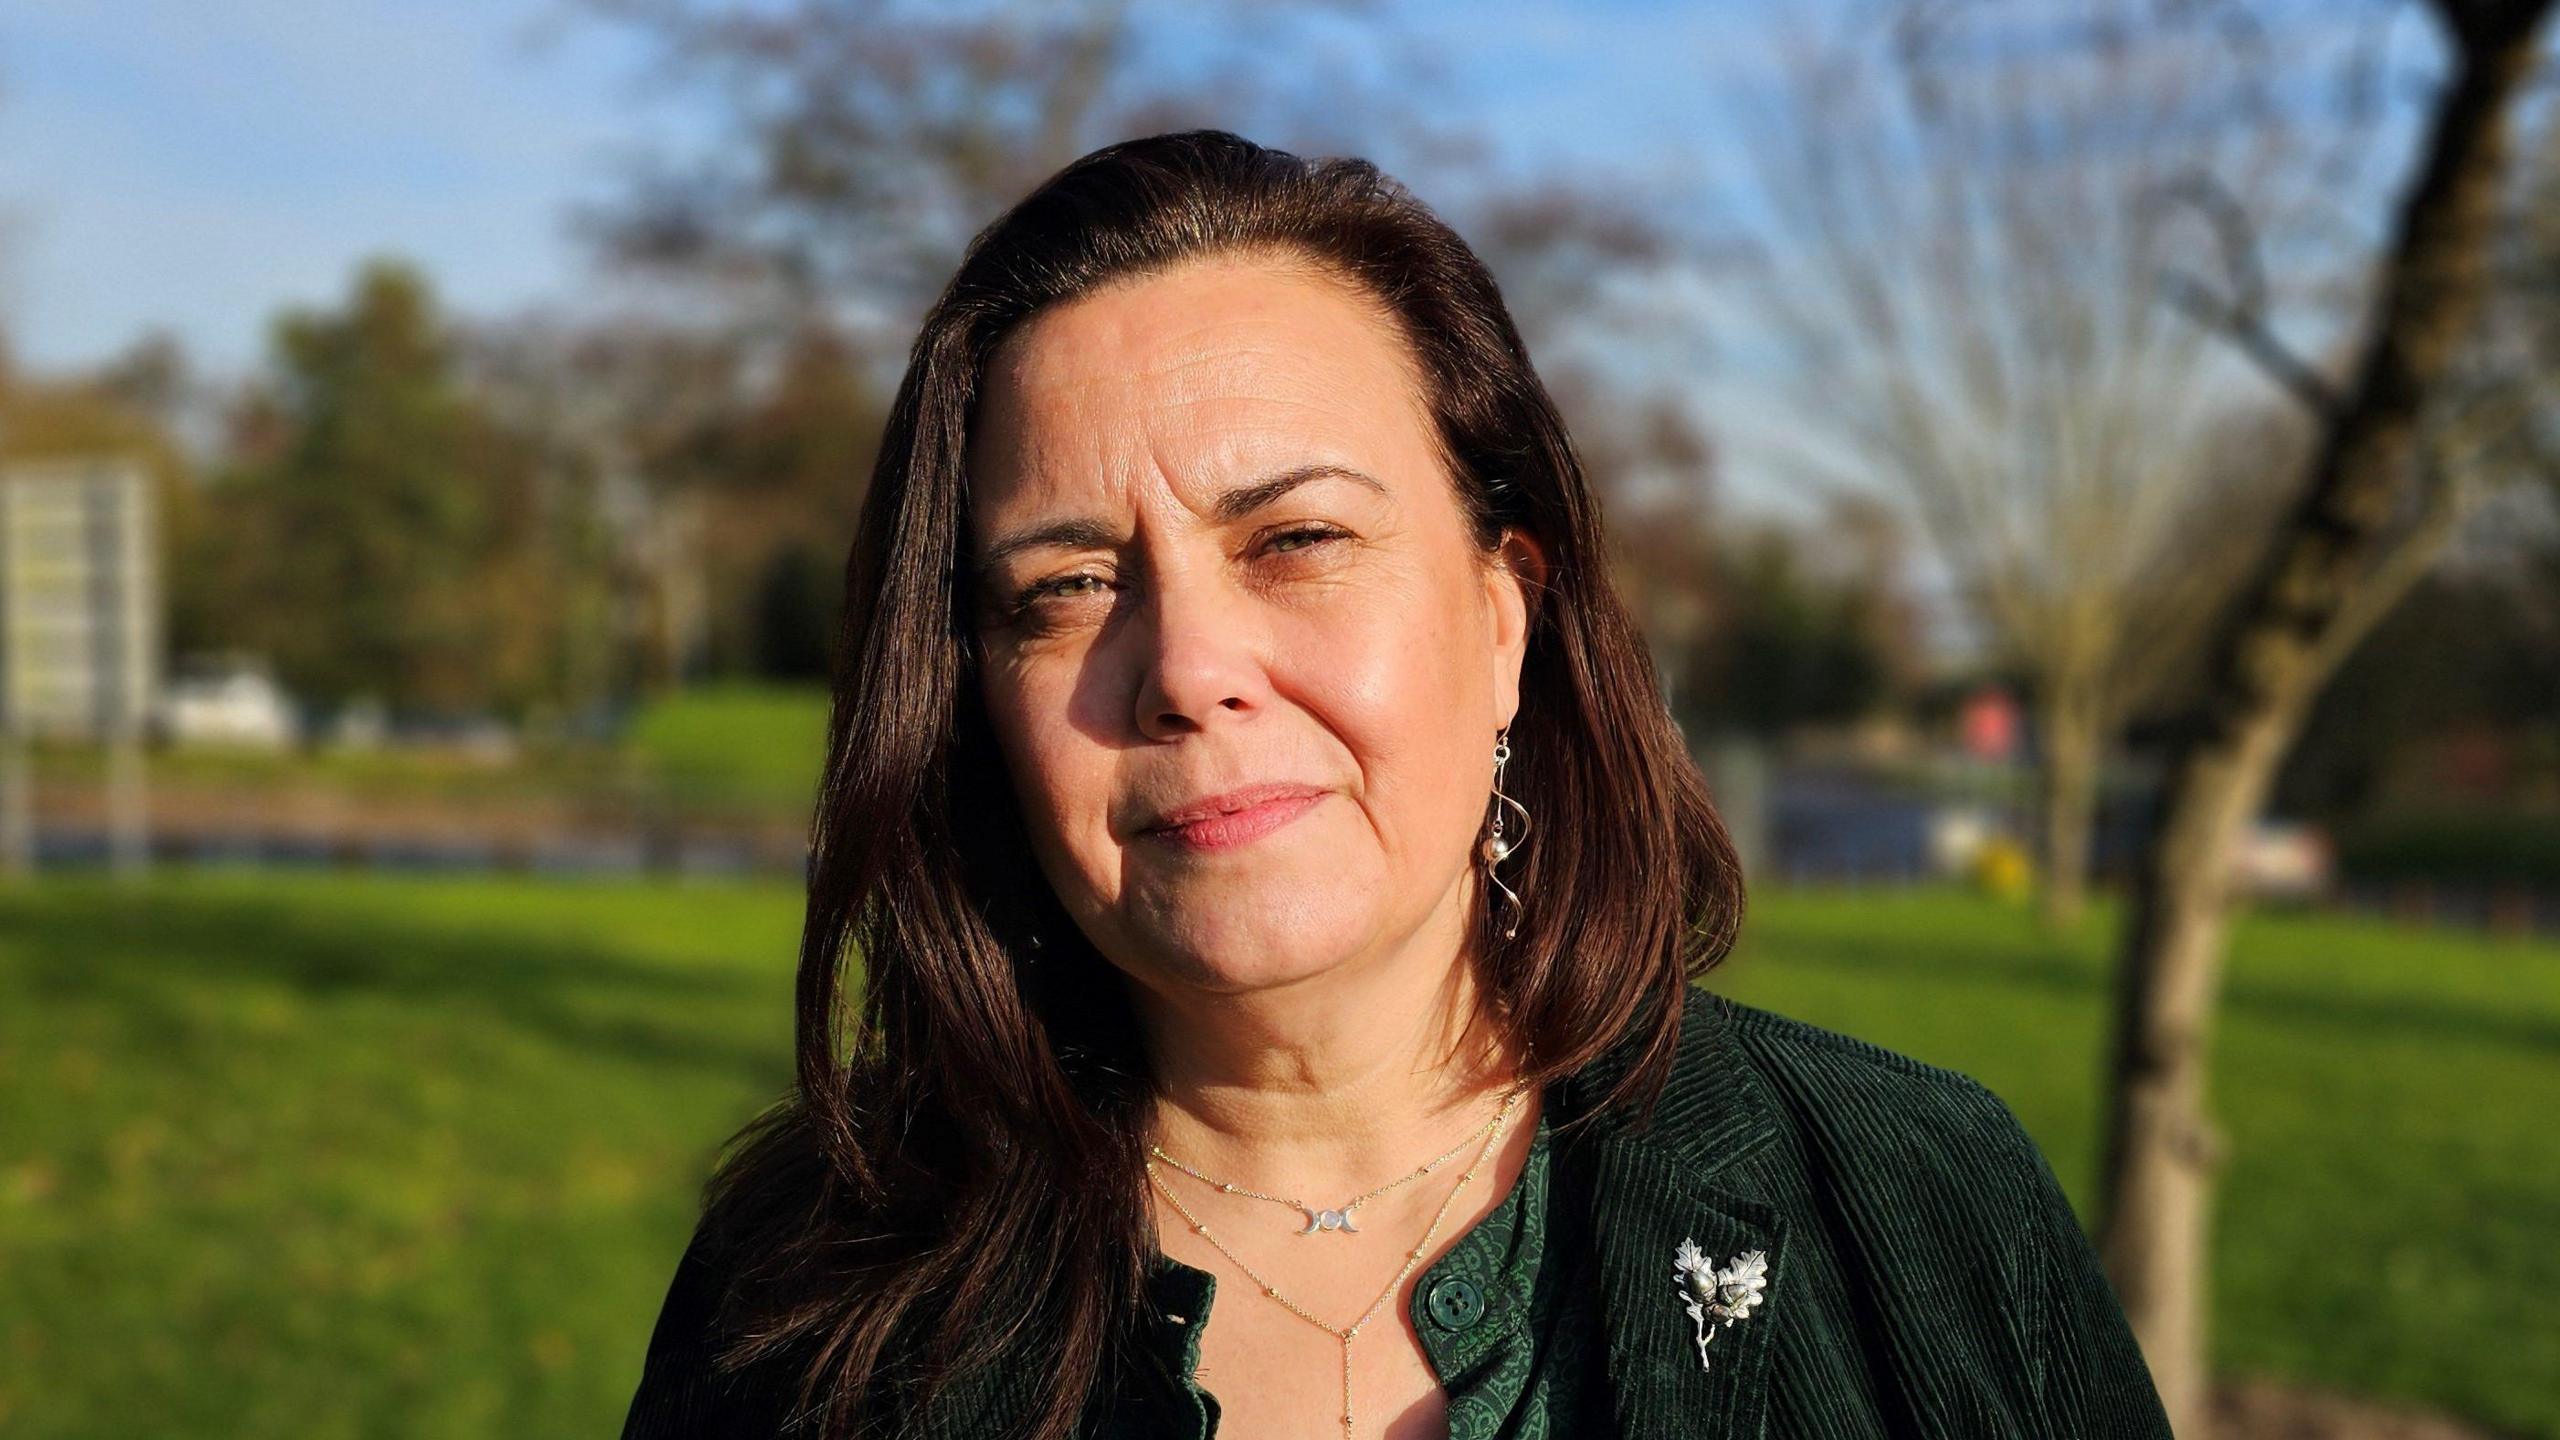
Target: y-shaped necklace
pixel 1413 1258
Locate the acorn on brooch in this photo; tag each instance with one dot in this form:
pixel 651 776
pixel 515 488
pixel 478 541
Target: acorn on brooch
pixel 1711 1293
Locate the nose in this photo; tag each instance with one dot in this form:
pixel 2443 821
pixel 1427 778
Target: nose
pixel 1200 667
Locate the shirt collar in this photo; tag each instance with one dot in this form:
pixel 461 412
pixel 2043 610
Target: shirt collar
pixel 1505 1254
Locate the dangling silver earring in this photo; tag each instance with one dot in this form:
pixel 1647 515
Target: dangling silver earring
pixel 1501 844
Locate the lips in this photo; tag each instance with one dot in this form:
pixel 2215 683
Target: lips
pixel 1237 816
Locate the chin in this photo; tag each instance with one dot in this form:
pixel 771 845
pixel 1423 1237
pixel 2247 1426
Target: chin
pixel 1245 946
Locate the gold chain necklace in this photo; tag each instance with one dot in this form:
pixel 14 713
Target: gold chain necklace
pixel 1413 1258
pixel 1339 1217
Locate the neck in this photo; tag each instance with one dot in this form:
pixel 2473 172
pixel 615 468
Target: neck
pixel 1332 1084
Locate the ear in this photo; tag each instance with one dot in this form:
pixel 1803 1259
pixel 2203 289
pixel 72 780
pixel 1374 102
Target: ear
pixel 1515 579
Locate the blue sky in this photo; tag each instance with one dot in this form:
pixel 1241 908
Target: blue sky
pixel 197 165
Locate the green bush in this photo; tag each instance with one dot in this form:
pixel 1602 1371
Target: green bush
pixel 2482 848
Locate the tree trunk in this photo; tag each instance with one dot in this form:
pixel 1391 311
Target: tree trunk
pixel 2073 730
pixel 2162 1148
pixel 2270 658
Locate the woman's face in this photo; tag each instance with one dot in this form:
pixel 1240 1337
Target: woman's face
pixel 1243 658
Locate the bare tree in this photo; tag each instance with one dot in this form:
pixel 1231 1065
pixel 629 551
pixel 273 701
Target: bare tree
pixel 2381 492
pixel 864 141
pixel 1966 217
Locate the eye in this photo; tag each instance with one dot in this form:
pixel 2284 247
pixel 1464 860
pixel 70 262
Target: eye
pixel 1058 585
pixel 1303 537
pixel 1028 602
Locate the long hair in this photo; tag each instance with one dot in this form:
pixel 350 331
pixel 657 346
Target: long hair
pixel 958 1171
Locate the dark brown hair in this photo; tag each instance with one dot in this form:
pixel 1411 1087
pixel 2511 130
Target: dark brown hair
pixel 957 1173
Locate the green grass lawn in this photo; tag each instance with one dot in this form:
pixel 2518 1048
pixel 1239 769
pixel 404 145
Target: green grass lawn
pixel 324 1157
pixel 329 1156
pixel 729 749
pixel 734 746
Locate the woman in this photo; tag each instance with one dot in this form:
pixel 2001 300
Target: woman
pixel 1277 887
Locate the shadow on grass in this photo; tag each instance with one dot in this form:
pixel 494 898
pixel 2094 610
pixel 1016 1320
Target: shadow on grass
pixel 143 953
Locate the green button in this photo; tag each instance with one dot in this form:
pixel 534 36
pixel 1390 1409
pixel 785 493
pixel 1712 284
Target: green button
pixel 1455 1303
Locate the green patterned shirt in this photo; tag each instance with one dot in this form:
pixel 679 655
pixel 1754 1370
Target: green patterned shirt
pixel 1507 1319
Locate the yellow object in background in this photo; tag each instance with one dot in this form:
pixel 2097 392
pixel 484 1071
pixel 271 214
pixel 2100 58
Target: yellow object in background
pixel 2002 869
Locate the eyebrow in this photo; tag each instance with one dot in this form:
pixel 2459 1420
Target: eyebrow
pixel 1231 506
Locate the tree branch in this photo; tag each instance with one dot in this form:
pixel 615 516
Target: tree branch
pixel 2239 308
pixel 2245 328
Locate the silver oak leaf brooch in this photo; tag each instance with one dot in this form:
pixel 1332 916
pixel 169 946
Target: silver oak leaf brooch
pixel 1713 1294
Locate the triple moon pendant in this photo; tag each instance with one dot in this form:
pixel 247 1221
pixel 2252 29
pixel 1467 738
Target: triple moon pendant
pixel 1329 1220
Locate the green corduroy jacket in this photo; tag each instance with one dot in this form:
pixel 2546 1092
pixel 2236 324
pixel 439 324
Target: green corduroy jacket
pixel 1926 1276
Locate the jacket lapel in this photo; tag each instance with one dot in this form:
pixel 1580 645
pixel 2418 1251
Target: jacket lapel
pixel 1647 1205
pixel 1670 1180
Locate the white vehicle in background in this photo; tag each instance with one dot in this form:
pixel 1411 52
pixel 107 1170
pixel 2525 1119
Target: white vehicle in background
pixel 2284 860
pixel 228 699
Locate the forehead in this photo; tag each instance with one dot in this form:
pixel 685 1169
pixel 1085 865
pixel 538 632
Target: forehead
pixel 1195 374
